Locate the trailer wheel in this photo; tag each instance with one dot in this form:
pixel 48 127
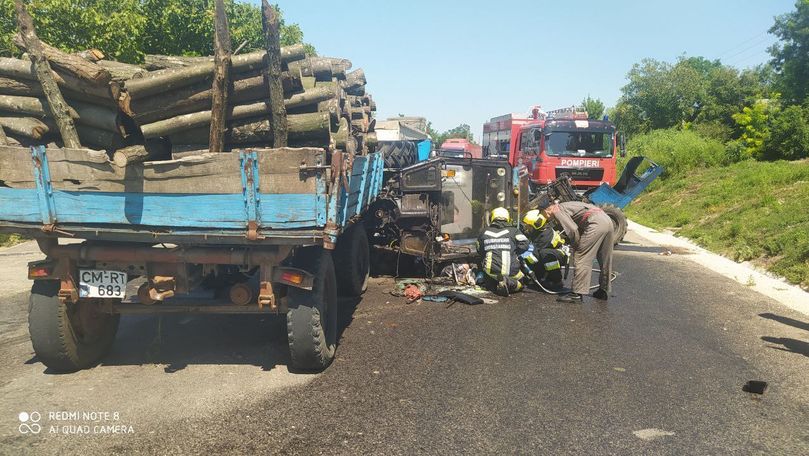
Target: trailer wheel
pixel 312 314
pixel 618 222
pixel 68 337
pixel 352 259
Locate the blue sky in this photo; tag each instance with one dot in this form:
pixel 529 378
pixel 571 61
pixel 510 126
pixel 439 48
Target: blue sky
pixel 467 61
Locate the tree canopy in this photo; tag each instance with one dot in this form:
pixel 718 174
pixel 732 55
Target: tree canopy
pixel 463 131
pixel 791 53
pixel 126 30
pixel 594 107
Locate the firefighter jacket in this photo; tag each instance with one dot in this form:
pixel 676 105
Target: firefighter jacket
pixel 549 247
pixel 500 246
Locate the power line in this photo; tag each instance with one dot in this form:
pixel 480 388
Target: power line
pixel 745 50
pixel 747 55
pixel 742 44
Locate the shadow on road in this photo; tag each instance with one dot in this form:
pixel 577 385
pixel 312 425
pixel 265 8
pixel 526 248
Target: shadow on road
pixel 178 341
pixel 785 320
pixel 789 345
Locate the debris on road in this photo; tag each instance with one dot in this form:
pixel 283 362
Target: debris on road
pixel 755 387
pixel 652 434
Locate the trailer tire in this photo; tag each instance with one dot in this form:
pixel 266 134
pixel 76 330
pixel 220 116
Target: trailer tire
pixel 312 314
pixel 619 223
pixel 68 337
pixel 353 259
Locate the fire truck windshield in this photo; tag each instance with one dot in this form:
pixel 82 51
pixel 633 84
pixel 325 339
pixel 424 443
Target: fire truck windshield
pixel 578 144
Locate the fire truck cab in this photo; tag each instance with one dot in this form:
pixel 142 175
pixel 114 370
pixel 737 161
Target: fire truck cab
pixel 563 141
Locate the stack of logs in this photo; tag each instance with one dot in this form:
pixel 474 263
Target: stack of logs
pixel 171 105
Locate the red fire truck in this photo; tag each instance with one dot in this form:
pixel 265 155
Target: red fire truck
pixel 563 141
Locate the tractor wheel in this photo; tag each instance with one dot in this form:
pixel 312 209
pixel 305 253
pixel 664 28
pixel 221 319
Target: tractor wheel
pixel 352 261
pixel 68 337
pixel 618 222
pixel 312 314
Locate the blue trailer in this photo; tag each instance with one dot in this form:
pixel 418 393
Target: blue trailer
pixel 271 230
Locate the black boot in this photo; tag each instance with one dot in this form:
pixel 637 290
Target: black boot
pixel 570 297
pixel 601 294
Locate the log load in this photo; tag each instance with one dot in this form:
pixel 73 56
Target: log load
pixel 273 97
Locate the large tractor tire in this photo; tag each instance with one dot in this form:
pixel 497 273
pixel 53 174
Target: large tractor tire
pixel 68 337
pixel 618 222
pixel 312 314
pixel 398 154
pixel 352 260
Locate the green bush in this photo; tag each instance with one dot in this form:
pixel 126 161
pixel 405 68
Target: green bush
pixel 789 134
pixel 679 151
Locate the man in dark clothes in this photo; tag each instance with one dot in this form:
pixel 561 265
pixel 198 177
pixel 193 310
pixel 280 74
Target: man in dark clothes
pixel 550 253
pixel 590 232
pixel 499 246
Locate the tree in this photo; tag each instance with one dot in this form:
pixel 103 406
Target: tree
pixel 692 91
pixel 463 131
pixel 755 124
pixel 594 108
pixel 126 30
pixel 791 55
pixel 789 134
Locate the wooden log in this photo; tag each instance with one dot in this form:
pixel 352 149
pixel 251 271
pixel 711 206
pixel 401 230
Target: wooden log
pixel 221 79
pixel 130 154
pixel 59 109
pixel 28 127
pixel 122 71
pixel 311 127
pixel 68 63
pixel 197 97
pixel 355 82
pixel 194 120
pixel 28 105
pixel 155 62
pixel 3 138
pixel 319 68
pixel 10 86
pixel 82 113
pixel 164 81
pixel 371 141
pixel 341 136
pixel 272 40
pixel 97 137
pixel 91 55
pixel 23 70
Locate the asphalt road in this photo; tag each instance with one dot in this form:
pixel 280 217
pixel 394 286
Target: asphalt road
pixel 659 369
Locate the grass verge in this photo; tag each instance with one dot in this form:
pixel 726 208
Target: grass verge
pixel 747 211
pixel 7 240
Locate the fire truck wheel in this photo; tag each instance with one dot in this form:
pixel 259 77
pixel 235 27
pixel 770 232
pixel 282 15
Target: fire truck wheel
pixel 68 337
pixel 352 262
pixel 312 314
pixel 618 222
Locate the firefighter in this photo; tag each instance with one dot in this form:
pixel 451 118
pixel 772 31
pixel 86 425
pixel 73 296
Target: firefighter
pixel 499 246
pixel 590 232
pixel 550 252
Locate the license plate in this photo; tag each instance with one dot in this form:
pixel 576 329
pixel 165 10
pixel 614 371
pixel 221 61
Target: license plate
pixel 97 283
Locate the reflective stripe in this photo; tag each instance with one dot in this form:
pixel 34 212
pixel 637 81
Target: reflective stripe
pixel 520 237
pixel 495 233
pixel 531 259
pixel 518 276
pixel 488 267
pixel 505 256
pixel 552 265
pixel 557 239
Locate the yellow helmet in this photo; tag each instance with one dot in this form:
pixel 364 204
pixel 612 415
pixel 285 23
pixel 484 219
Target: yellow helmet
pixel 534 219
pixel 500 213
